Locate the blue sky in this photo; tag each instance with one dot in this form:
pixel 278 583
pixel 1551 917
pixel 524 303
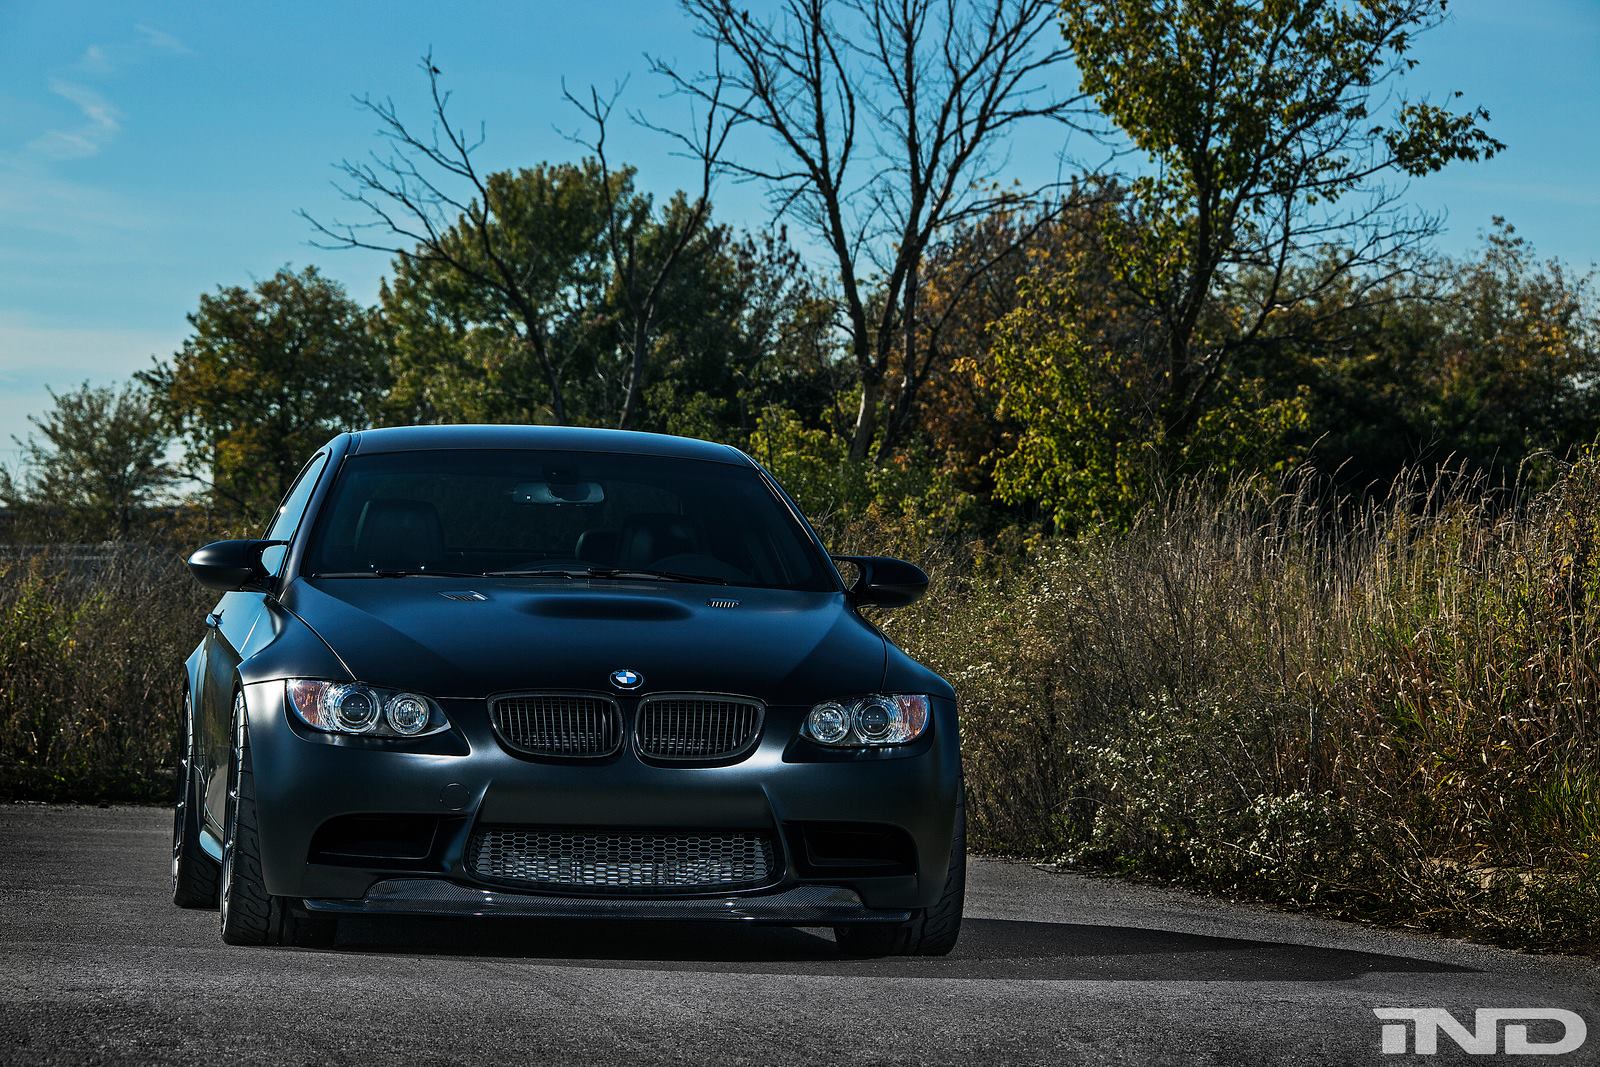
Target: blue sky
pixel 152 151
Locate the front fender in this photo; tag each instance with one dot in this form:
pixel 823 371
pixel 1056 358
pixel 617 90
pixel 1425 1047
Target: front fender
pixel 281 645
pixel 192 668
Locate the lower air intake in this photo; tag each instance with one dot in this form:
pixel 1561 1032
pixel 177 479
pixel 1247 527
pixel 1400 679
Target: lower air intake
pixel 643 859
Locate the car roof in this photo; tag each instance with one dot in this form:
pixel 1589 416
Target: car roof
pixel 537 438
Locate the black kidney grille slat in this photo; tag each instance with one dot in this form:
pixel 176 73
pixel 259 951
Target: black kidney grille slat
pixel 696 727
pixel 569 725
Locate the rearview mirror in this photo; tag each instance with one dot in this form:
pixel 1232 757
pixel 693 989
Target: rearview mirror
pixel 558 493
pixel 232 565
pixel 885 581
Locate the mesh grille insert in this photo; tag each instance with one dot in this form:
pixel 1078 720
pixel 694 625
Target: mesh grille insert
pixel 569 725
pixel 638 859
pixel 696 727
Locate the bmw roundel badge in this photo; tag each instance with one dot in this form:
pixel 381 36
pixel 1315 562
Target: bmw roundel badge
pixel 627 679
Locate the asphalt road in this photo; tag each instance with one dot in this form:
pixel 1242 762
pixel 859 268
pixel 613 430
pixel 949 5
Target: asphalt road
pixel 97 966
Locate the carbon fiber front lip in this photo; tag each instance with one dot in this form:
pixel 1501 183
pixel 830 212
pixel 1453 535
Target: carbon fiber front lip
pixel 807 905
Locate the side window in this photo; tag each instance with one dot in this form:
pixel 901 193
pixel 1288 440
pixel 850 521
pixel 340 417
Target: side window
pixel 291 511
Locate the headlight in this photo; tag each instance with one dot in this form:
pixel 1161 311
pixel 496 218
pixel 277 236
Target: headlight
pixel 353 708
pixel 870 721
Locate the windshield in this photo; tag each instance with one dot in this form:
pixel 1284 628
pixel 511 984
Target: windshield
pixel 602 515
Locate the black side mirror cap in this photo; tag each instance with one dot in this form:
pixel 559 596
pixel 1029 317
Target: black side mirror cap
pixel 885 581
pixel 232 565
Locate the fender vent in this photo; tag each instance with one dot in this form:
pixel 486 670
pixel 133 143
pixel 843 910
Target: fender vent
pixel 717 602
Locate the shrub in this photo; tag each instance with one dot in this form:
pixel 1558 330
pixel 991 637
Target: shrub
pixel 92 640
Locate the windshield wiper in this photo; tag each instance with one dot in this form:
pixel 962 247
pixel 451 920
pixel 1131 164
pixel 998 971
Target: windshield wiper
pixel 665 576
pixel 617 573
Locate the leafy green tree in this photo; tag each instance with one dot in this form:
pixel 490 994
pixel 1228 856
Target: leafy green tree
pixel 269 373
pixel 815 466
pixel 1270 129
pixel 746 329
pixel 1083 447
pixel 1517 365
pixel 962 417
pixel 99 457
pixel 491 316
pixel 1484 361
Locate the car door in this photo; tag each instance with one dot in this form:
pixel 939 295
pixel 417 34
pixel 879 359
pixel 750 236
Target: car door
pixel 228 627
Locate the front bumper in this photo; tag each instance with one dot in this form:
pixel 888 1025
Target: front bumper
pixel 801 905
pixel 303 782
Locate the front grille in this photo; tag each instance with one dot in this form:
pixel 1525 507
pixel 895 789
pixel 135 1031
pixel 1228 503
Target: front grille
pixel 640 859
pixel 563 725
pixel 696 727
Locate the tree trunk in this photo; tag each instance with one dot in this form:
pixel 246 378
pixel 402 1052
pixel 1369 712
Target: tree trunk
pixel 900 411
pixel 906 394
pixel 630 401
pixel 866 417
pixel 541 352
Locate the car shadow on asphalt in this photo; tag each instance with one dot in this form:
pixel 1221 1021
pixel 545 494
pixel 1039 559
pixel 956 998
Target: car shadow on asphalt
pixel 989 948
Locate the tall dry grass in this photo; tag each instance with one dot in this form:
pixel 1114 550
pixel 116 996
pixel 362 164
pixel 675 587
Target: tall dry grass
pixel 92 641
pixel 1389 713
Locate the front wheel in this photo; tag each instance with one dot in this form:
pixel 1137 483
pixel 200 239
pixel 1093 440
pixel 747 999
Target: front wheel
pixel 249 914
pixel 930 931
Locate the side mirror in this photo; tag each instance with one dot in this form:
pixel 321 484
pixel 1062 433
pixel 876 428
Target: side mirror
pixel 232 565
pixel 886 581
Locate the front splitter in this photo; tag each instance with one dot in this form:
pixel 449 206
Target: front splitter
pixel 800 906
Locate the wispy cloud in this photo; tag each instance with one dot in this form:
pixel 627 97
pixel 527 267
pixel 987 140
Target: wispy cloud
pixel 161 41
pixel 101 121
pixel 95 60
pixel 101 58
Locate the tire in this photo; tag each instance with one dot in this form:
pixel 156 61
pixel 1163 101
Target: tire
pixel 930 931
pixel 194 874
pixel 249 915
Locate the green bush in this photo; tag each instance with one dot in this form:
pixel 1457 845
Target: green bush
pixel 814 466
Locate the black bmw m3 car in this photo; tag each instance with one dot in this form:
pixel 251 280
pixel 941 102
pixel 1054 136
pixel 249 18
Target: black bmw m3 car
pixel 556 672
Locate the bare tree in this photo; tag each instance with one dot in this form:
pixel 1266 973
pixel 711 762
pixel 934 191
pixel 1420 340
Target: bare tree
pixel 642 276
pixel 428 203
pixel 889 117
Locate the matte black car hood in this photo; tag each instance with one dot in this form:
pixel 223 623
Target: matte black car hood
pixel 780 646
